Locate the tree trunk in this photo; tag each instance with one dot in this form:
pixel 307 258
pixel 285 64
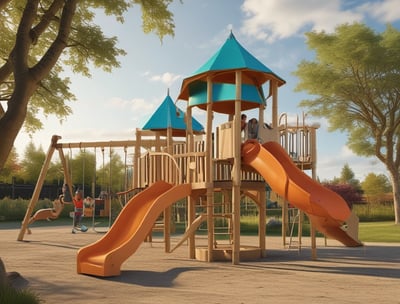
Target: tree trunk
pixel 13 119
pixel 10 124
pixel 27 79
pixel 394 178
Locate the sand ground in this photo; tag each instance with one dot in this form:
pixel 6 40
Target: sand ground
pixel 46 261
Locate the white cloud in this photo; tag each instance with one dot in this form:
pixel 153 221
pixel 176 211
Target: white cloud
pixel 346 153
pixel 384 11
pixel 330 166
pixel 118 103
pixel 135 111
pixel 139 105
pixel 166 78
pixel 279 19
pixel 136 105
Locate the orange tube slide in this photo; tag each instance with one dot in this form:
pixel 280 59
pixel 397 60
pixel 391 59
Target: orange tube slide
pixel 104 257
pixel 326 209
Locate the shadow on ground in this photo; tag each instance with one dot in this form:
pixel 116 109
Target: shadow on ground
pixel 153 278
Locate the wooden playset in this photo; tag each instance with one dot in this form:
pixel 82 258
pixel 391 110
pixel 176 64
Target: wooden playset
pixel 173 163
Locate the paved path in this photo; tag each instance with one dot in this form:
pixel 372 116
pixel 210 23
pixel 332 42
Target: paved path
pixel 46 261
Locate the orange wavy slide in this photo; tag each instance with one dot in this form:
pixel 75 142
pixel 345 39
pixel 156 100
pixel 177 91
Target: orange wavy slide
pixel 326 209
pixel 104 257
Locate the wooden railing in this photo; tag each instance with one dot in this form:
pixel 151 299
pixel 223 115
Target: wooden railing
pixel 184 168
pixel 192 166
pixel 155 166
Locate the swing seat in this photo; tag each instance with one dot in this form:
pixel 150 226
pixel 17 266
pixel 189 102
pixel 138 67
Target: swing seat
pixel 88 212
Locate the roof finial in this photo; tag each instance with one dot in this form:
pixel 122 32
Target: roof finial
pixel 168 92
pixel 230 27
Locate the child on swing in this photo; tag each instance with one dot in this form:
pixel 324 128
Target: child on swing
pixel 78 212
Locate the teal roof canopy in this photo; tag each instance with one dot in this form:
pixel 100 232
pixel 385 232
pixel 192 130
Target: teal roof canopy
pixel 223 92
pixel 222 67
pixel 232 55
pixel 168 115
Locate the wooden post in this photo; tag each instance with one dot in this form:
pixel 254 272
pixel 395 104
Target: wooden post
pixel 313 242
pixel 209 172
pixel 262 221
pixel 191 201
pixel 285 219
pixel 236 181
pixel 38 187
pixel 314 176
pixel 274 91
pixel 191 217
pixel 300 228
pixel 136 183
pixel 67 176
pixel 167 211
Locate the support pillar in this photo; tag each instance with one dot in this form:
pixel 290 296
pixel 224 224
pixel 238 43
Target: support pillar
pixel 38 187
pixel 236 181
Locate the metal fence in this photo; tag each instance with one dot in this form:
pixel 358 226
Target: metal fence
pixel 25 191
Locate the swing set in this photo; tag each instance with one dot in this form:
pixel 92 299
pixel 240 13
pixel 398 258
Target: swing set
pixel 97 208
pixel 94 207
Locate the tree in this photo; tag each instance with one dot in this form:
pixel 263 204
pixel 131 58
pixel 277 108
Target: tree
pixel 346 175
pixel 83 171
pixel 39 38
pixel 11 168
pixel 374 184
pixel 347 191
pixel 355 78
pixel 112 172
pixel 32 163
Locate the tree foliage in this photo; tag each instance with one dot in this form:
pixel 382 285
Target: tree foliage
pixel 347 174
pixel 376 184
pixel 354 80
pixel 89 171
pixel 347 191
pixel 40 38
pixel 83 170
pixel 32 163
pixel 111 174
pixel 11 168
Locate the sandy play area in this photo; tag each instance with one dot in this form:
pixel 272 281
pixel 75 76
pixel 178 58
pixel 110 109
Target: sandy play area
pixel 46 261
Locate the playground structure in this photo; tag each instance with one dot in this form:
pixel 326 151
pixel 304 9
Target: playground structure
pixel 167 169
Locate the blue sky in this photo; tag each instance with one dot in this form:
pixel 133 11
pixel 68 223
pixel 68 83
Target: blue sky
pixel 110 106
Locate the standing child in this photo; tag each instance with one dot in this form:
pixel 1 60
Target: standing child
pixel 243 122
pixel 78 212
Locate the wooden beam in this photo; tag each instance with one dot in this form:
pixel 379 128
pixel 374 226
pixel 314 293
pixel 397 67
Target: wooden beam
pixel 236 181
pixel 38 187
pixel 209 171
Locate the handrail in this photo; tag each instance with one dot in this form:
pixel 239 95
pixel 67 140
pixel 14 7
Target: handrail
pixel 153 153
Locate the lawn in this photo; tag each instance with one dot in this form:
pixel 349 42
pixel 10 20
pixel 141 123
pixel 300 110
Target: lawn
pixel 385 231
pixel 379 232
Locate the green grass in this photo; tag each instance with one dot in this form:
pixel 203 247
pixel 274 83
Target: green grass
pixel 384 231
pixel 379 232
pixel 25 296
pixel 369 231
pixel 374 212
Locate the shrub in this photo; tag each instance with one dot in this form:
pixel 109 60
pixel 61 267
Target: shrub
pixel 15 209
pixel 8 294
pixel 374 212
pixel 12 210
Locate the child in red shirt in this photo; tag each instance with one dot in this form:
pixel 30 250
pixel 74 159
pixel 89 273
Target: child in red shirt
pixel 78 212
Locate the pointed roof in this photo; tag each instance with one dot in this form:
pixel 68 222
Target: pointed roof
pixel 230 57
pixel 168 115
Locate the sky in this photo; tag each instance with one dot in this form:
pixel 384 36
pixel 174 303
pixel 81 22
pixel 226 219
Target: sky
pixel 110 106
